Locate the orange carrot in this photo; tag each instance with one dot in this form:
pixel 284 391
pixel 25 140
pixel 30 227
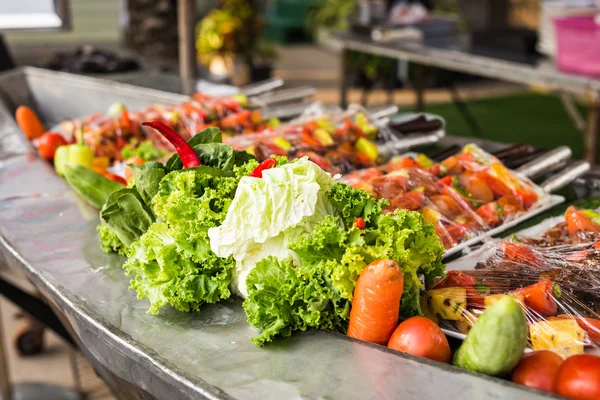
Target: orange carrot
pixel 128 170
pixel 376 304
pixel 29 122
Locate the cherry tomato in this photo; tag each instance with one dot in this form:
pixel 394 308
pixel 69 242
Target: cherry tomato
pixel 538 370
pixel 579 378
pixel 421 336
pixel 539 298
pixel 48 144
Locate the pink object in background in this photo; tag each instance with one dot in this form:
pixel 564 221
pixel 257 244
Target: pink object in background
pixel 578 45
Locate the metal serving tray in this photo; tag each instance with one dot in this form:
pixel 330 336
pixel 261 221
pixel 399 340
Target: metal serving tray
pixel 46 232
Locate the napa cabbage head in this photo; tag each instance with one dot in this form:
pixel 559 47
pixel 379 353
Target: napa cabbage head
pixel 269 213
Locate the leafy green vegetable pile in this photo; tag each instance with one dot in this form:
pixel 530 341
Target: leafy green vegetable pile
pixel 287 242
pixel 314 288
pixel 145 150
pixel 161 224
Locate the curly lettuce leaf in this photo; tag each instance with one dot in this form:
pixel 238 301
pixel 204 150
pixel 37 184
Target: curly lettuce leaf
pixel 282 299
pixel 145 150
pixel 109 242
pixel 332 257
pixel 173 263
pixel 166 275
pixel 354 203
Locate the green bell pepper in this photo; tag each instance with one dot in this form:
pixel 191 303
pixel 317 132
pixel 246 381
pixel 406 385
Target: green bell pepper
pixel 73 154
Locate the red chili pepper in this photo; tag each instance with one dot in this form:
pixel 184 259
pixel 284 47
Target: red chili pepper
pixel 187 153
pixel 360 223
pixel 267 164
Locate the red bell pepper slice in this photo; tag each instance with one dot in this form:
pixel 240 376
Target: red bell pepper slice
pixel 187 153
pixel 267 164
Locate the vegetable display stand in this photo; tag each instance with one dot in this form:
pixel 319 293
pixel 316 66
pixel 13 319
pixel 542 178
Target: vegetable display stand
pixel 47 233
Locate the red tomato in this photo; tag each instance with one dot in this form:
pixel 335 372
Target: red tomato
pixel 538 370
pixel 579 378
pixel 48 144
pixel 360 223
pixel 420 336
pixel 539 298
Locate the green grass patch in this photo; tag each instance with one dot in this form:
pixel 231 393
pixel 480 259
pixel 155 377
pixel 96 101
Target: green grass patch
pixel 530 118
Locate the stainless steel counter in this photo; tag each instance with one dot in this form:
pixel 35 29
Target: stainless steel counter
pixel 49 234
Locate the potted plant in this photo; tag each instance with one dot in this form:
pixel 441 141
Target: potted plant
pixel 233 33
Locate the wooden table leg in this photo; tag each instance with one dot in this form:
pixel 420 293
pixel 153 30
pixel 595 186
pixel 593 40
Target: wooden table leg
pixel 419 86
pixel 186 20
pixel 592 133
pixel 344 78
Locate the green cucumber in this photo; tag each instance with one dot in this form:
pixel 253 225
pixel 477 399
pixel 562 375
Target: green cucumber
pixel 92 186
pixel 497 341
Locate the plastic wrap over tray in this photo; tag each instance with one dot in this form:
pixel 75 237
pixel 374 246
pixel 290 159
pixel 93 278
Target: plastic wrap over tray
pixel 554 275
pixel 467 196
pixel 337 140
pixel 108 133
